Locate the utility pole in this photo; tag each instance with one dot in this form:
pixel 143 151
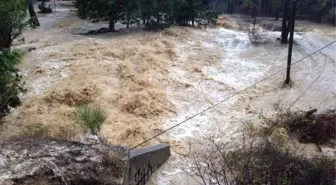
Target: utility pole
pixel 292 24
pixel 55 3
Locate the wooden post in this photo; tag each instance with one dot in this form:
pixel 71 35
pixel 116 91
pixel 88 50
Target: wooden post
pixel 289 60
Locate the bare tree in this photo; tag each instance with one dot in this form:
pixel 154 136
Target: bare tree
pixel 211 162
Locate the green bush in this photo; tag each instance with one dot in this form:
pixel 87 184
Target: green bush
pixel 90 118
pixel 11 84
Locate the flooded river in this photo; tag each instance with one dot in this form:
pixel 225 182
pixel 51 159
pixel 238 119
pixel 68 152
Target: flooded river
pixel 150 81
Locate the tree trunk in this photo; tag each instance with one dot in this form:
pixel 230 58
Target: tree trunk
pixel 111 23
pixel 147 19
pixel 259 8
pixel 229 6
pixel 32 13
pixel 284 30
pixel 143 19
pixel 262 7
pixel 277 14
pixel 158 18
pixel 253 12
pixel 255 16
pixel 266 8
pixel 301 8
pixel 9 40
pixel 128 20
pixel 319 17
pixel 231 11
pixel 5 37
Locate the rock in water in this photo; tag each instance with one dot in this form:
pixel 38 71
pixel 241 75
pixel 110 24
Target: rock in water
pixel 33 161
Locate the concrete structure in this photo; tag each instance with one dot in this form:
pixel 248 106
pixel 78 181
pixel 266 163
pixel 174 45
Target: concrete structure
pixel 144 161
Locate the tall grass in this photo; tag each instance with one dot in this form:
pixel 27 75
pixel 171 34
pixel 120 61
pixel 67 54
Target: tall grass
pixel 90 118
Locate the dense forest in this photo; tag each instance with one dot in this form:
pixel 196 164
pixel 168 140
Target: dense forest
pixel 158 14
pixel 315 10
pixel 155 14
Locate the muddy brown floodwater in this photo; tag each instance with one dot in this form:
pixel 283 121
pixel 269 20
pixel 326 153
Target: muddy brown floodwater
pixel 149 81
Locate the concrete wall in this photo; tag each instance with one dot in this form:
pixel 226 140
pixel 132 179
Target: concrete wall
pixel 144 161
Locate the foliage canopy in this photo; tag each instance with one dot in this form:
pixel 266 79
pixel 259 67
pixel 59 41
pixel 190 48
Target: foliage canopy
pixel 155 14
pixel 12 22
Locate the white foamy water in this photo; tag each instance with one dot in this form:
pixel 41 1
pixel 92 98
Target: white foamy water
pixel 243 64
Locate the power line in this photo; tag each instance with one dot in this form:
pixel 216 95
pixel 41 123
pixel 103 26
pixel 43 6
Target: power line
pixel 239 92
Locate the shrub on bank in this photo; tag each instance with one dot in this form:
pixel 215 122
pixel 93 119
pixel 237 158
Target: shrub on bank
pixel 257 164
pixel 308 127
pixel 90 118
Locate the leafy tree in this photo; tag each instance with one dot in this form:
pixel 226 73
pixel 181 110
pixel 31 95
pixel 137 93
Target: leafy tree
pixel 318 9
pixel 147 10
pixel 181 12
pixel 96 9
pixel 254 5
pixel 276 4
pixel 229 7
pixel 11 84
pixel 155 14
pixel 159 14
pixel 82 8
pixel 207 17
pixel 191 11
pixel 12 22
pixel 12 18
pixel 130 13
pixel 193 7
pixel 177 14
